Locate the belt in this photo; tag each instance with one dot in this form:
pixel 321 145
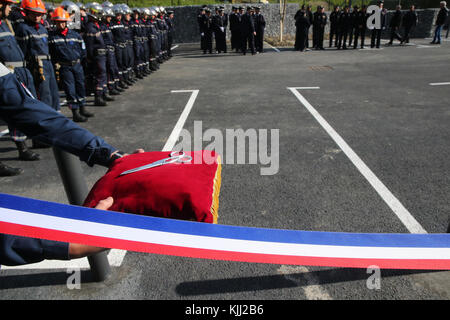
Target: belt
pixel 111 49
pixel 69 63
pixel 14 64
pixel 101 52
pixel 44 57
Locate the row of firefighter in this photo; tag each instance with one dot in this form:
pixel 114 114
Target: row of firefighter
pixel 113 45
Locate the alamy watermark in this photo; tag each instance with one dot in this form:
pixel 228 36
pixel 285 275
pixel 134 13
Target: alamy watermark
pixel 374 280
pixel 235 146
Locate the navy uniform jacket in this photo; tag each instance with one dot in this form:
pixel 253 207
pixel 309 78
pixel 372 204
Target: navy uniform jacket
pixel 247 25
pixel 107 34
pixel 344 22
pixel 260 22
pixel 319 20
pixel 118 31
pixel 334 17
pixel 66 48
pixel 93 38
pixel 38 120
pixel 396 19
pixel 137 30
pixel 33 40
pixel 11 54
pixel 128 31
pixel 170 26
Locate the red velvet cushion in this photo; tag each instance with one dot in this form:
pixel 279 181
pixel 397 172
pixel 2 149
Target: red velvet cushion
pixel 186 191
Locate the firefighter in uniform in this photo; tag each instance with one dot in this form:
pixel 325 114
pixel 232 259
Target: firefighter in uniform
pixel 112 70
pixel 68 50
pixel 33 40
pixel 170 31
pixel 129 62
pixel 96 55
pixel 154 43
pixel 12 56
pixel 120 45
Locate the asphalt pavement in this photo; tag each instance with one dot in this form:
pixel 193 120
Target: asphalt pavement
pixel 379 101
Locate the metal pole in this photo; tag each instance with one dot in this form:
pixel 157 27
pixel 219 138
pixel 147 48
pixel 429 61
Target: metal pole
pixel 76 190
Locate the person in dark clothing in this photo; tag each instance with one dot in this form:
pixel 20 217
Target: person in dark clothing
pixel 220 23
pixel 320 21
pixel 247 30
pixel 353 24
pixel 361 26
pixel 67 50
pixel 260 25
pixel 12 56
pixel 206 31
pixel 395 24
pixel 344 24
pixel 301 35
pixel 409 21
pixel 233 19
pixel 440 21
pixel 334 17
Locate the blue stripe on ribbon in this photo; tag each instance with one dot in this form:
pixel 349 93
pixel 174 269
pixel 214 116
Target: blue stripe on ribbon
pixel 223 231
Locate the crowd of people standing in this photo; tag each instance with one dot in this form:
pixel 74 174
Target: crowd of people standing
pixel 247 29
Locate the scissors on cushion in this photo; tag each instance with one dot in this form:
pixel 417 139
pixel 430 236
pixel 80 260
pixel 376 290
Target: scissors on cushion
pixel 175 156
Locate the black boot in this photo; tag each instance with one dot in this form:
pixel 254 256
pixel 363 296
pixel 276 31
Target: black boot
pixel 114 92
pixel 85 113
pixel 99 101
pixel 107 97
pixel 25 153
pixel 7 171
pixel 77 117
pixel 123 85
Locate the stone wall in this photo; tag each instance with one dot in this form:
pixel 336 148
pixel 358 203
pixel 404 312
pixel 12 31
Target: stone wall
pixel 187 30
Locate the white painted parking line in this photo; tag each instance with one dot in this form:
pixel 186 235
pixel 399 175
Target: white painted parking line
pixel 179 126
pixel 440 84
pixel 115 256
pixel 400 211
pixel 276 49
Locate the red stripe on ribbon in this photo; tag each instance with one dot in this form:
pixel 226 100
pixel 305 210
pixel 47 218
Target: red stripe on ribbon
pixel 105 242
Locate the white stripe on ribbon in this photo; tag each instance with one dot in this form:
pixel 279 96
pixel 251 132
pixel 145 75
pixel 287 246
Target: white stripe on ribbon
pixel 221 244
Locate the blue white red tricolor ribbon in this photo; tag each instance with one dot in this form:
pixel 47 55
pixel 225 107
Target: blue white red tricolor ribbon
pixel 60 222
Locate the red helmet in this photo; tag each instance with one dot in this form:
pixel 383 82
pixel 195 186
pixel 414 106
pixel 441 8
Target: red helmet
pixel 34 5
pixel 59 14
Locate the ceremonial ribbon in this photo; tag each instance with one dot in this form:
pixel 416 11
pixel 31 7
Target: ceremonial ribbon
pixel 53 221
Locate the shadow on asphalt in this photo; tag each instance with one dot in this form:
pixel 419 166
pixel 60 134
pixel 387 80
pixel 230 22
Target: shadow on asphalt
pixel 281 281
pixel 41 279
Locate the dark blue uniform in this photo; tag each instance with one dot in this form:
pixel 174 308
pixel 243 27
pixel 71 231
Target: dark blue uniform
pixel 154 45
pixel 138 46
pixel 12 56
pixel 111 60
pixel 129 48
pixel 40 121
pixel 67 49
pixel 96 57
pixel 33 40
pixel 120 44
